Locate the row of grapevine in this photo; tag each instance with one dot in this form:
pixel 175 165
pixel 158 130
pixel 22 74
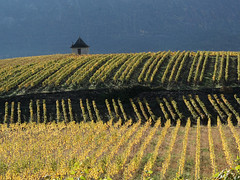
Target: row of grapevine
pixel 184 151
pixel 196 107
pixel 222 105
pixel 181 66
pixel 135 162
pixel 156 67
pixel 215 68
pixel 110 165
pixel 50 72
pixel 98 150
pixel 192 67
pixel 198 150
pixel 22 75
pixel 153 117
pixel 39 76
pixel 226 150
pixel 169 65
pixel 234 132
pixel 211 148
pixel 163 109
pixel 82 73
pixel 133 141
pixel 216 107
pixel 15 68
pixel 230 107
pixel 134 66
pixel 142 109
pixel 64 72
pixel 166 162
pixel 202 105
pixel 151 161
pixel 107 142
pixel 170 109
pixel 155 63
pixel 116 146
pixel 220 75
pixel 67 110
pixel 238 66
pixel 120 71
pixel 147 64
pixel 204 67
pixel 227 67
pixel 105 67
pixel 180 57
pixel 198 67
pixel 190 108
pixel 103 76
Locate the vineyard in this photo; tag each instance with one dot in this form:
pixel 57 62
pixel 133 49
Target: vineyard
pixel 165 70
pixel 180 107
pixel 117 150
pixel 157 115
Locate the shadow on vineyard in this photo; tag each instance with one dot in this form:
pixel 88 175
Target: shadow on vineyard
pixel 138 115
pixel 135 103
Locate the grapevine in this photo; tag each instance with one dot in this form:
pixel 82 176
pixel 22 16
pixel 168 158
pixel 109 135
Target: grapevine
pixel 12 113
pixel 142 109
pixel 198 150
pixel 181 66
pixel 192 67
pixel 234 132
pixel 19 113
pixel 173 58
pixel 238 66
pixel 38 111
pixel 221 68
pixel 175 65
pixel 158 65
pixel 204 67
pixel 89 110
pixel 152 65
pixel 135 110
pixel 172 142
pixel 146 66
pixel 109 109
pixel 224 144
pixel 183 154
pixel 215 68
pixel 149 165
pixel 83 111
pixel 211 148
pixel 198 67
pixel 149 109
pixel 227 67
pixel 70 110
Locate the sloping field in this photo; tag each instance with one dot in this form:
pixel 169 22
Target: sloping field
pixel 160 70
pixel 119 116
pixel 115 150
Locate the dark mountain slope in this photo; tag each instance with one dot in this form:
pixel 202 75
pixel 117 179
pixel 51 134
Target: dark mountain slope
pixel 31 27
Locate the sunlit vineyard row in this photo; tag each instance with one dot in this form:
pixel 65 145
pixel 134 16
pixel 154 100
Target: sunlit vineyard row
pixel 169 70
pixel 181 107
pixel 116 150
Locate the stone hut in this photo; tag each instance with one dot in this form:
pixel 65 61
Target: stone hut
pixel 80 47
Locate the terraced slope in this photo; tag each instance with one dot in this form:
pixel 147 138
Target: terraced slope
pixel 159 70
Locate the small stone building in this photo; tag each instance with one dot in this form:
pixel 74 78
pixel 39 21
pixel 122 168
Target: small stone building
pixel 80 47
